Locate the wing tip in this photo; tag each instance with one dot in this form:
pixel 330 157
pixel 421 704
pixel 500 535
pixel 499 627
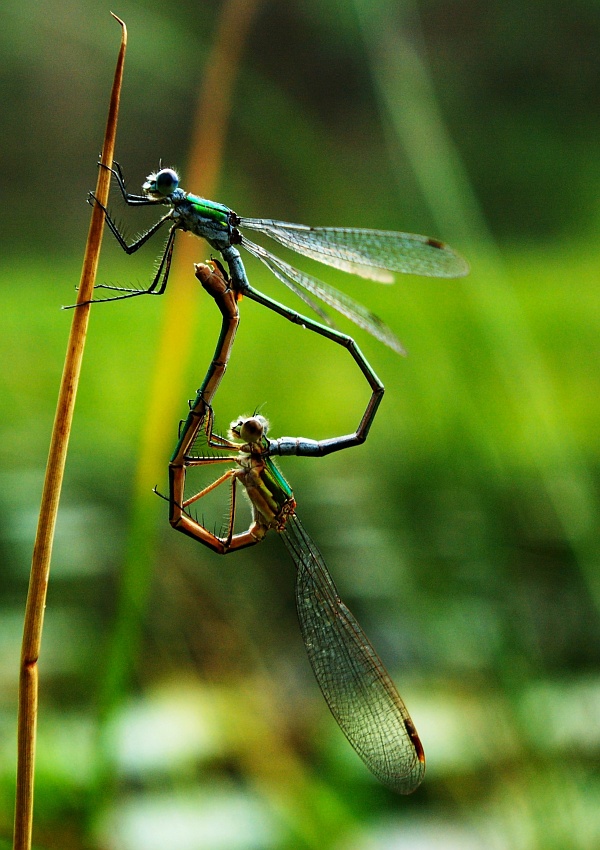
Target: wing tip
pixel 458 266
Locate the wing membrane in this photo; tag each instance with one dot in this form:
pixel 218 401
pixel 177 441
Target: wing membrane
pixel 358 690
pixel 369 253
pixel 297 280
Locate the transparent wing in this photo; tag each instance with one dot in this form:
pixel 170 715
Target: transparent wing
pixel 277 266
pixel 358 690
pixel 369 253
pixel 297 280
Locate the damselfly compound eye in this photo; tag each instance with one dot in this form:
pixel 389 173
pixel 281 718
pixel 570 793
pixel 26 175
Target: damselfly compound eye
pixel 166 181
pixel 250 429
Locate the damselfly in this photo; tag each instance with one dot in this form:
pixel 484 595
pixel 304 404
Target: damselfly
pixel 372 254
pixel 358 690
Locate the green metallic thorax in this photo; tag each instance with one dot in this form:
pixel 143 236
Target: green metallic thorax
pixel 278 486
pixel 207 219
pixel 270 494
pixel 210 209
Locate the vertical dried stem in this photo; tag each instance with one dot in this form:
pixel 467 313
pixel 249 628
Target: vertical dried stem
pixel 40 565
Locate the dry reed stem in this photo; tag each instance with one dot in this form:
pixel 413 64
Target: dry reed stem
pixel 42 552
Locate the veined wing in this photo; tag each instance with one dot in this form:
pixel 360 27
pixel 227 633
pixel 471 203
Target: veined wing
pixel 297 281
pixel 369 253
pixel 358 690
pixel 277 266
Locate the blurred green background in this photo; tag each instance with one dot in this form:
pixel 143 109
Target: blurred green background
pixel 177 708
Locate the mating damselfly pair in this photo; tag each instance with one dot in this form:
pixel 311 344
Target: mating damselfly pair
pixel 356 686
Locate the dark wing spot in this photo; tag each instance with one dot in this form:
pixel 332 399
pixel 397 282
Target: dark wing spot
pixel 435 243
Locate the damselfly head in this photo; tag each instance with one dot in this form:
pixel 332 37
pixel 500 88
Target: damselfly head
pixel 161 184
pixel 250 429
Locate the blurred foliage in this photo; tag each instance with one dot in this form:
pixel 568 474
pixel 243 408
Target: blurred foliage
pixel 464 533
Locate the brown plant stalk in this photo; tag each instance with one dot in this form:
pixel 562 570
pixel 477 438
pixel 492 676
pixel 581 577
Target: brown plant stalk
pixel 42 552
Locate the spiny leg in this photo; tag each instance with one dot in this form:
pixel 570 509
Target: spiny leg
pixel 112 226
pixel 217 442
pixel 183 521
pixel 132 200
pixel 231 523
pixel 193 455
pixel 157 286
pixel 159 282
pixel 216 483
